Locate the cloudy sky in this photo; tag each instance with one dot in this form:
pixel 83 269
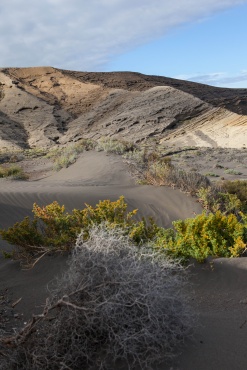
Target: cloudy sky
pixel 199 40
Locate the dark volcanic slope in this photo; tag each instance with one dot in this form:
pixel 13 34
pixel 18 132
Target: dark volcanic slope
pixel 234 100
pixel 44 106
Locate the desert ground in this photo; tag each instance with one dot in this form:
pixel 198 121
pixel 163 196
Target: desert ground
pixel 201 128
pixel 218 287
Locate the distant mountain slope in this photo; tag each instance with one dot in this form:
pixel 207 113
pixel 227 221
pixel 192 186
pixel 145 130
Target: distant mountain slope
pixel 233 99
pixel 44 106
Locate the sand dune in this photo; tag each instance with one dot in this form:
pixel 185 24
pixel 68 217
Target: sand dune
pixel 95 176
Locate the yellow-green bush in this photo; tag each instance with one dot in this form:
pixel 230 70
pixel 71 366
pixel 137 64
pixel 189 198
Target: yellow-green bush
pixel 53 229
pixel 215 234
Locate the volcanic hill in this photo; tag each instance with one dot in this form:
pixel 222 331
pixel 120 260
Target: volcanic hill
pixel 45 106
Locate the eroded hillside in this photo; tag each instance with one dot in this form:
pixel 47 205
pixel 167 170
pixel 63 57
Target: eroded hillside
pixel 42 107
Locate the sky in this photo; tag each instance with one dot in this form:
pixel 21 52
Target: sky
pixel 197 40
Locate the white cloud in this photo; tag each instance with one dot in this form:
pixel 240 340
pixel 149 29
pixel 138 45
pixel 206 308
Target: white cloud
pixel 85 34
pixel 221 79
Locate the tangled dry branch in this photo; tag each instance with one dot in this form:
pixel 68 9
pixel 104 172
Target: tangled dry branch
pixel 116 305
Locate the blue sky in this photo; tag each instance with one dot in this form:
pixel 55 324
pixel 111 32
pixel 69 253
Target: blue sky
pixel 198 40
pixel 212 51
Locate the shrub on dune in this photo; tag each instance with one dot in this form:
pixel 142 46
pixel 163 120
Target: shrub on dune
pixel 215 234
pixel 54 230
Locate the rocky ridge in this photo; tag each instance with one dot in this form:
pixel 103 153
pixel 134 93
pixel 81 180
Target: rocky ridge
pixel 44 106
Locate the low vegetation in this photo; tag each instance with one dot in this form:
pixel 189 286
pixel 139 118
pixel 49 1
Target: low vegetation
pixel 54 230
pixel 231 171
pixel 227 196
pixel 14 156
pixel 239 189
pixel 63 157
pixel 205 235
pixel 13 172
pixel 158 168
pixel 150 167
pixel 115 146
pixel 122 300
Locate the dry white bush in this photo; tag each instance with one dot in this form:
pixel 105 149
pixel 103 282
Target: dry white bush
pixel 117 304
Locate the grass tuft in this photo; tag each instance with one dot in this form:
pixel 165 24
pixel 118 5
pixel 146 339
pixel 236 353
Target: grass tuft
pixel 13 172
pixel 114 145
pixel 65 156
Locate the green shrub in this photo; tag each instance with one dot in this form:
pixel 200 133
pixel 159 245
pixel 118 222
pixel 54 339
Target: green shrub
pixel 206 235
pixel 239 188
pixel 34 152
pixel 211 174
pixel 213 199
pixel 231 171
pixel 53 229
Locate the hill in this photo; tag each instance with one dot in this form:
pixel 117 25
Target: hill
pixel 44 106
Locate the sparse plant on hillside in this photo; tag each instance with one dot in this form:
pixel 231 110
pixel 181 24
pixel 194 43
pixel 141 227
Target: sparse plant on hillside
pixel 115 306
pixel 137 155
pixel 14 156
pixel 2 94
pixel 186 181
pixel 155 169
pixel 116 146
pixel 13 172
pixel 212 174
pixel 231 171
pixel 63 157
pixel 34 152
